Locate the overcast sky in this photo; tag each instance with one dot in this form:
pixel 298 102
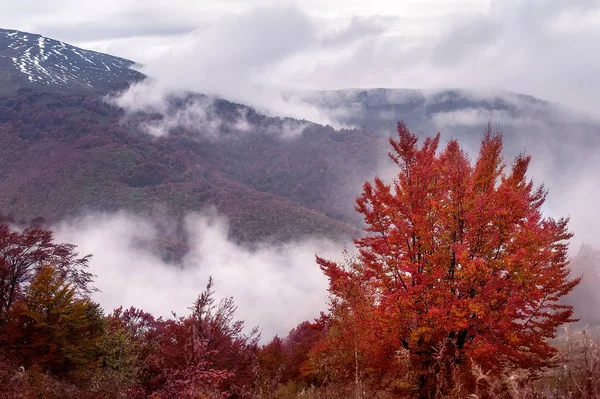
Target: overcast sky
pixel 544 48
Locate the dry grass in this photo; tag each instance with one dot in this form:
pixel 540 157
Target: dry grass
pixel 575 374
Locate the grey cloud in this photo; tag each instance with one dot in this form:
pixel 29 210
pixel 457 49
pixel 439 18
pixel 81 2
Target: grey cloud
pixel 547 49
pixel 232 58
pixel 114 29
pixel 359 28
pixel 537 47
pixel 258 58
pixel 237 58
pixel 78 22
pixel 275 287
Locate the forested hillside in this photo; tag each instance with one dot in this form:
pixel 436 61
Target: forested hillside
pixel 63 154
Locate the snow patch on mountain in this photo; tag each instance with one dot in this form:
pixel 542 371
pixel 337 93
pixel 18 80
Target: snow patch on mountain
pixel 52 63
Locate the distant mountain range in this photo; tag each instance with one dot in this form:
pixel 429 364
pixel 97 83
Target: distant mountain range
pixel 65 151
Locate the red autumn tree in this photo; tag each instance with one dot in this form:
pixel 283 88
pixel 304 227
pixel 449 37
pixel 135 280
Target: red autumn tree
pixel 206 354
pixel 461 267
pixel 24 253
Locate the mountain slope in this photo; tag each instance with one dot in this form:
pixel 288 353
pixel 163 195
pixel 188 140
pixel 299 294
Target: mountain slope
pixel 64 154
pixel 63 151
pixel 35 62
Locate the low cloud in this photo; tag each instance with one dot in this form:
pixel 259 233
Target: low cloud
pixel 472 117
pixel 197 115
pixel 270 57
pixel 274 286
pixel 242 58
pixel 163 112
pixel 231 59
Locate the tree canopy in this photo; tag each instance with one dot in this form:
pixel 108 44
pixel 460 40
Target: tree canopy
pixel 458 268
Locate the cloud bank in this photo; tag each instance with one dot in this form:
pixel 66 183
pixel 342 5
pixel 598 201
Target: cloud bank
pixel 257 55
pixel 275 287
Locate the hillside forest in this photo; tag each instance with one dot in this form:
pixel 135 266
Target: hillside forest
pixel 458 287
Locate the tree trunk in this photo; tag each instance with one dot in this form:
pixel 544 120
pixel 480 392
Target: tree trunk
pixel 356 373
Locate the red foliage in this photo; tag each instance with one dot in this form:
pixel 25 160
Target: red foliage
pixel 22 254
pixel 297 346
pixel 288 359
pixel 206 353
pixel 458 267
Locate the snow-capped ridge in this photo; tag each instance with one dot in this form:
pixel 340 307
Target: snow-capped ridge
pixel 34 60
